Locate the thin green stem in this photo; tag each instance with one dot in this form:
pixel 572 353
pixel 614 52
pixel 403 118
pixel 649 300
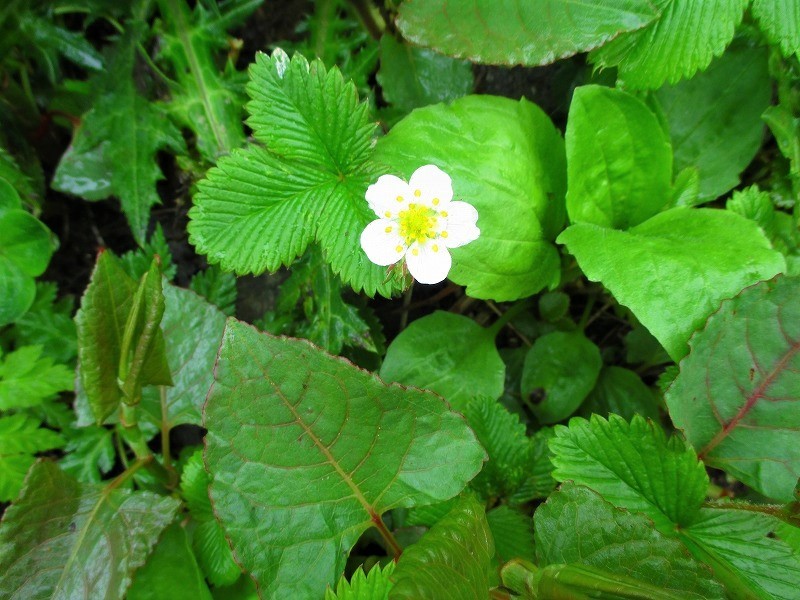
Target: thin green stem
pixel 165 446
pixel 587 312
pixel 324 13
pixel 128 473
pixel 512 312
pixel 370 18
pixel 406 305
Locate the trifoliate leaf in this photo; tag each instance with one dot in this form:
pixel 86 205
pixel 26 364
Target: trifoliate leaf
pixel 780 21
pixel 448 354
pixel 306 452
pixel 450 561
pixel 512 532
pixel 209 543
pixel 511 32
pixel 375 585
pixel 662 50
pixel 520 207
pixel 216 286
pixel 27 378
pixel 89 453
pixel 509 449
pixel 137 262
pixel 674 269
pixel 737 397
pixel 261 208
pixel 20 438
pixel 48 323
pixel 627 558
pixel 60 530
pixel 620 174
pixel 714 118
pixel 171 570
pixel 741 548
pixel 633 465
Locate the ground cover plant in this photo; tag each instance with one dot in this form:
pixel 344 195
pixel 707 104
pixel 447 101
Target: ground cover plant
pixel 400 299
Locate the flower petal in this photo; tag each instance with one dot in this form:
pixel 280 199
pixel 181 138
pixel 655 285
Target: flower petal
pixel 428 262
pixel 382 243
pixel 388 196
pixel 459 226
pixel 433 185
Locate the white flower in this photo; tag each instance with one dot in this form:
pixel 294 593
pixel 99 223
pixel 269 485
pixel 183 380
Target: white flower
pixel 418 220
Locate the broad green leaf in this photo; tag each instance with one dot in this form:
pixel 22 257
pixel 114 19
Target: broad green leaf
pixel 684 39
pixel 171 571
pixel 204 100
pixel 714 118
pixel 106 307
pixel 20 438
pixel 514 32
pixel 261 208
pixel 89 453
pixel 620 174
pixel 628 558
pixel 507 160
pixel 18 293
pixel 451 561
pixel 306 452
pixel 560 370
pixel 411 77
pixel 48 323
pixel 741 548
pixel 217 287
pixel 504 439
pixel 209 543
pixel 375 585
pixel 632 465
pixel 780 21
pixel 448 354
pixel 63 539
pixel 114 150
pixel 737 397
pixel 512 532
pixel 674 269
pixel 192 330
pixel 622 392
pixel 11 174
pixel 27 378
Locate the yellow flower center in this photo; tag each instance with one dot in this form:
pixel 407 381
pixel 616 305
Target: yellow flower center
pixel 417 223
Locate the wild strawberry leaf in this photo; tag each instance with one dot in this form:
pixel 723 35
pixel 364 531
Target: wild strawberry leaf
pixel 514 32
pixel 20 438
pixel 375 585
pixel 260 208
pixel 737 397
pixel 306 452
pixel 780 21
pixel 63 539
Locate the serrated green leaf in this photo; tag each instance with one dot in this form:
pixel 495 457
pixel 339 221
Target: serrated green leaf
pixel 19 181
pixel 628 558
pixel 450 561
pixel 375 585
pixel 521 206
pixel 192 330
pixel 305 452
pixel 632 465
pixel 59 530
pixel 89 453
pixel 622 392
pixel 114 150
pixel 448 354
pixel 512 32
pixel 714 118
pixel 20 438
pixel 737 397
pixel 753 204
pixel 209 543
pixel 411 77
pixel 48 323
pixel 539 481
pixel 137 262
pixel 620 174
pixel 260 209
pixel 512 532
pixel 741 548
pixel 171 571
pixel 204 100
pixel 560 370
pixel 664 50
pixel 780 21
pixel 216 286
pixel 504 439
pixel 27 378
pixel 674 269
